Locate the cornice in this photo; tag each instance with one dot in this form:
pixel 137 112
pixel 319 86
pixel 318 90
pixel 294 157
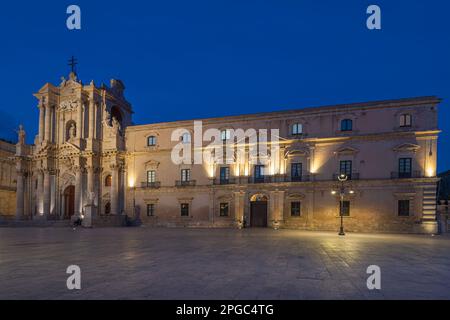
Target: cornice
pixel 308 111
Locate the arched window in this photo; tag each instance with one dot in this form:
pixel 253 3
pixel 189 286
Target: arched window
pixel 151 141
pixel 297 128
pixel 186 137
pixel 116 114
pixel 405 120
pixel 108 181
pixel 346 125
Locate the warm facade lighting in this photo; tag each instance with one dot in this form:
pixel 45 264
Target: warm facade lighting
pixel 131 182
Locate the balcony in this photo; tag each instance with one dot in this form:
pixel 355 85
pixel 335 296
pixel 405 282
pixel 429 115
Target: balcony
pixel 151 185
pixel 279 178
pixel 261 179
pixel 224 181
pixel 303 178
pixel 180 183
pixel 352 176
pixel 406 175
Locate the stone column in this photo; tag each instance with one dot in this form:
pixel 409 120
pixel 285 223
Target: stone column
pixel 90 179
pixel 79 121
pixel 239 208
pixel 47 193
pixel 78 187
pixel 20 195
pixel 62 135
pixel 91 119
pixel 41 122
pixel 280 215
pixel 273 204
pixel 47 130
pixel 97 118
pixel 114 189
pixel 39 193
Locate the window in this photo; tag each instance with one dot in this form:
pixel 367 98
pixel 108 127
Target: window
pixel 224 174
pixel 345 167
pixel 151 176
pixel 151 141
pixel 185 209
pixel 186 137
pixel 108 181
pixel 296 171
pixel 346 125
pixel 259 173
pixel 185 175
pixel 296 209
pixel 223 212
pixel 225 135
pixel 404 167
pixel 297 128
pixel 405 120
pixel 403 208
pixel 345 208
pixel 150 210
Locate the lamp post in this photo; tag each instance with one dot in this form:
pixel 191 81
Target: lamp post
pixel 342 178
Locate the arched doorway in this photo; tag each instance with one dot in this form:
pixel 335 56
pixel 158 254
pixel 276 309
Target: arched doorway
pixel 258 211
pixel 108 208
pixel 69 202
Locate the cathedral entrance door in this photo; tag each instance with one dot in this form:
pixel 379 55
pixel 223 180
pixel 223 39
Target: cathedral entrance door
pixel 69 202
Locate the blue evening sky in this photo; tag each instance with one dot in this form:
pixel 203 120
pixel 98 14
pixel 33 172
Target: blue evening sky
pixel 193 59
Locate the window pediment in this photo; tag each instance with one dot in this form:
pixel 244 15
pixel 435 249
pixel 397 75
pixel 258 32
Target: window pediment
pixel 346 151
pixel 407 147
pixel 152 164
pixel 296 196
pixel 296 153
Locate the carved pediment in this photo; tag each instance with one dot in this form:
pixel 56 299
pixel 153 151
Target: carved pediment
pixel 225 197
pixel 407 147
pixel 67 179
pixel 296 196
pixel 301 152
pixel 69 105
pixel 346 151
pixel 152 164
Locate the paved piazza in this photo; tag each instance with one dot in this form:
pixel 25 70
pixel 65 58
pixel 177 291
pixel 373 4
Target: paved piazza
pixel 146 263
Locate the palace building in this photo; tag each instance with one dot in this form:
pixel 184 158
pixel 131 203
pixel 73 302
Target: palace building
pixel 89 159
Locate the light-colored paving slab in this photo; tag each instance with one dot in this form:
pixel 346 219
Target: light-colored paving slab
pixel 146 263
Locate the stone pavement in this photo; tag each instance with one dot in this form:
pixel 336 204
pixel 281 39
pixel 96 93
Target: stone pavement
pixel 147 263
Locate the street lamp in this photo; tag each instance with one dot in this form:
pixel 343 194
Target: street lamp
pixel 342 178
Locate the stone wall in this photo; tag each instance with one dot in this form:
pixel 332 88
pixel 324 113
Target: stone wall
pixel 7 202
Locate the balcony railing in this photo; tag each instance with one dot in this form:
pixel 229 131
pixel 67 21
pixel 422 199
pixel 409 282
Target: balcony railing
pixel 151 185
pixel 352 176
pixel 180 183
pixel 219 181
pixel 406 175
pixel 261 179
pixel 279 178
pixel 303 178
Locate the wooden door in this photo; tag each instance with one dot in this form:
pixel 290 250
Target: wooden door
pixel 258 214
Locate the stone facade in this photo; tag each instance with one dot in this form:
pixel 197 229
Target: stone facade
pixel 7 179
pixel 88 153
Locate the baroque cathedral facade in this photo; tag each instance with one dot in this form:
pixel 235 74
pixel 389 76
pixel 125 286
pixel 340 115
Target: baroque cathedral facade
pixel 90 160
